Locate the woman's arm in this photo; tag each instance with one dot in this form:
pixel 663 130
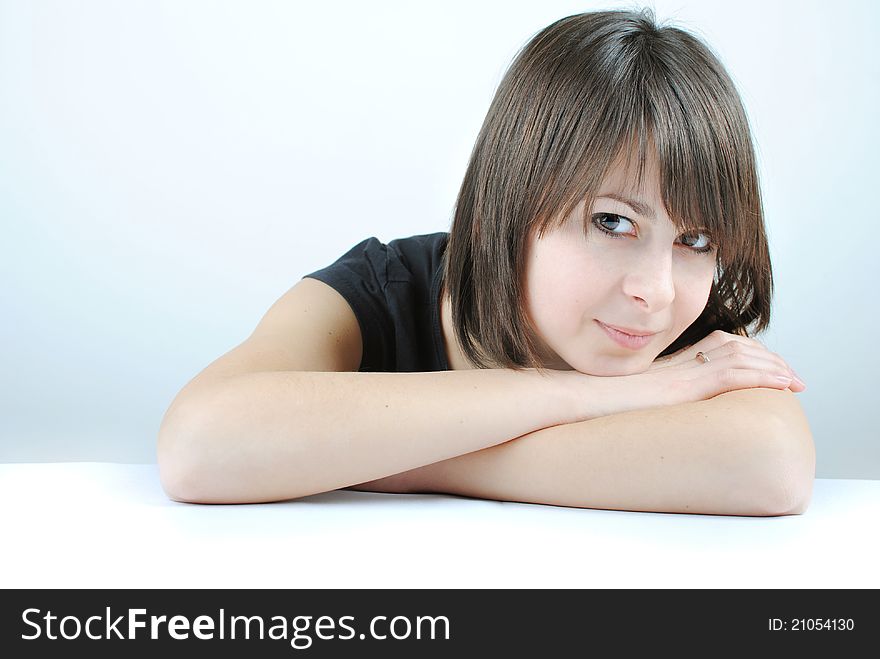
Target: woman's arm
pixel 745 452
pixel 276 435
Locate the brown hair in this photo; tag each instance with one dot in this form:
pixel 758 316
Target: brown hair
pixel 582 92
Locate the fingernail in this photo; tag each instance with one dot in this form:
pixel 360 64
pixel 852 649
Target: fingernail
pixel 783 378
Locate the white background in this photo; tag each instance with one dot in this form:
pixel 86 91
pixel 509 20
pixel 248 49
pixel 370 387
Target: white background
pixel 169 169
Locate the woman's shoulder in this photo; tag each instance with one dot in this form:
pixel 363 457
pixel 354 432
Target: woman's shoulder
pixel 416 256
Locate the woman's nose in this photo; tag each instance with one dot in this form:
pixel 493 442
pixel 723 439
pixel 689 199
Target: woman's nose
pixel 652 281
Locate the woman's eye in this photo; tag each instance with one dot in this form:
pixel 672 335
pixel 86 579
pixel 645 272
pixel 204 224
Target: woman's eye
pixel 610 219
pixel 697 243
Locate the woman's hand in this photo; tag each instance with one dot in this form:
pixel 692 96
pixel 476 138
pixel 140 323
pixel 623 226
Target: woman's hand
pixel 736 352
pixel 735 362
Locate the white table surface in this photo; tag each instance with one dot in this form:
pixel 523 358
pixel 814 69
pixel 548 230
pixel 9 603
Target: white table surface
pixel 108 525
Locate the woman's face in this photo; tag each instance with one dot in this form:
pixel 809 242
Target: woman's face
pixel 647 278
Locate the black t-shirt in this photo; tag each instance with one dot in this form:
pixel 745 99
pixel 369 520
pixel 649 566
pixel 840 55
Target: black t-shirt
pixel 394 291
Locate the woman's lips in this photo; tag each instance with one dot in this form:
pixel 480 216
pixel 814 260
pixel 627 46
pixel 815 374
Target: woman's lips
pixel 626 340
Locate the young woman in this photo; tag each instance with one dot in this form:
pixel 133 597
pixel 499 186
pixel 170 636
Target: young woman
pixel 580 337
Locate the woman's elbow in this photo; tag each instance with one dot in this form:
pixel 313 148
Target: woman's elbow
pixel 176 474
pixel 790 468
pixel 175 456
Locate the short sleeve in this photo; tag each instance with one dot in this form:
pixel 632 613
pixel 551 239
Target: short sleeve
pixel 361 276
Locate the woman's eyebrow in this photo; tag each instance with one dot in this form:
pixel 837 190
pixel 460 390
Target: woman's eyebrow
pixel 639 207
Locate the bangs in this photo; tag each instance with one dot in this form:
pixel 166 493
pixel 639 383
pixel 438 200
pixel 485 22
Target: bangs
pixel 671 101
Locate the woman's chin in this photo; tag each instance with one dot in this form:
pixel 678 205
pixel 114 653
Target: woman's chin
pixel 610 368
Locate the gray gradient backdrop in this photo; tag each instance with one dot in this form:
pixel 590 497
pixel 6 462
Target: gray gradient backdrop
pixel 169 169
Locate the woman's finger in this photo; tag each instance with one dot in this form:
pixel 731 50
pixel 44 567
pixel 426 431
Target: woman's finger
pixel 743 352
pixel 732 379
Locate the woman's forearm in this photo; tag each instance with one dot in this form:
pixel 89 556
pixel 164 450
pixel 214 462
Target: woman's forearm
pixel 729 455
pixel 270 436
